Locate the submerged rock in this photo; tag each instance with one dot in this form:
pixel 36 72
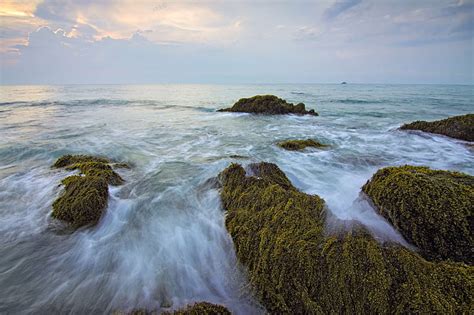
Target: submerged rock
pixel 85 195
pixel 459 127
pixel 299 145
pixel 432 209
pixel 296 268
pixel 268 104
pixel 202 308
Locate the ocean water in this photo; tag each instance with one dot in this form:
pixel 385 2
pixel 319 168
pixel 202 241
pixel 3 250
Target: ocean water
pixel 162 241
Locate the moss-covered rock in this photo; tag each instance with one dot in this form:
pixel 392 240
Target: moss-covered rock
pixel 459 127
pixel 70 159
pixel 137 311
pixel 98 169
pixel 296 268
pixel 202 308
pixel 299 145
pixel 268 104
pixel 432 209
pixel 85 195
pixel 83 201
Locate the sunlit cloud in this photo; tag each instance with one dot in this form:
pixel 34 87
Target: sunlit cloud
pixel 269 39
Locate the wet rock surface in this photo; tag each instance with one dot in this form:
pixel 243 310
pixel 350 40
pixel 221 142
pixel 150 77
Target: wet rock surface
pixel 459 127
pixel 300 145
pixel 85 195
pixel 295 267
pixel 432 209
pixel 269 105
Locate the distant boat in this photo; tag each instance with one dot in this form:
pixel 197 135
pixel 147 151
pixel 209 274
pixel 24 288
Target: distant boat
pixel 344 82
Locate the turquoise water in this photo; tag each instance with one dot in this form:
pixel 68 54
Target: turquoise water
pixel 162 241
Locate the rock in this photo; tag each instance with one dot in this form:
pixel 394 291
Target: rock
pixel 432 209
pixel 268 104
pixel 299 145
pixel 69 159
pixel 83 201
pixel 85 195
pixel 459 127
pixel 202 308
pixel 269 172
pixel 138 311
pixel 295 267
pixel 98 169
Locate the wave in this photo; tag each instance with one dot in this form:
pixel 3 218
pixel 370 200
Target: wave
pixel 356 101
pixel 106 102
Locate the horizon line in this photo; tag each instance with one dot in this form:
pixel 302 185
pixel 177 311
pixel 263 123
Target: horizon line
pixel 238 83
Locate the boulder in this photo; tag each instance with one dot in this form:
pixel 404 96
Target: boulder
pixel 85 195
pixel 269 105
pixel 296 267
pixel 459 127
pixel 432 209
pixel 299 145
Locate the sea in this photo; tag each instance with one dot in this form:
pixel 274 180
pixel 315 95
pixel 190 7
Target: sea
pixel 162 242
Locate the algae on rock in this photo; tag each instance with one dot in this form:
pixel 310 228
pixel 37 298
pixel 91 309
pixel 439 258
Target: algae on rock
pixel 98 169
pixel 202 308
pixel 85 195
pixel 459 127
pixel 70 159
pixel 268 104
pixel 432 209
pixel 299 145
pixel 296 268
pixel 83 200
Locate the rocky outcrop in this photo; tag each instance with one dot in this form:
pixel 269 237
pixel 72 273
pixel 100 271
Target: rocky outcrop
pixel 432 209
pixel 459 127
pixel 85 195
pixel 295 267
pixel 299 145
pixel 269 105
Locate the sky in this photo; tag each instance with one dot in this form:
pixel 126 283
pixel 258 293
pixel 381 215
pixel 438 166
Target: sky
pixel 231 42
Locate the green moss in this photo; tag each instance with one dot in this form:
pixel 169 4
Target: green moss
pixel 69 159
pixel 121 165
pixel 85 195
pixel 432 209
pixel 296 268
pixel 460 127
pixel 298 145
pixel 202 308
pixel 83 201
pixel 268 104
pixel 98 169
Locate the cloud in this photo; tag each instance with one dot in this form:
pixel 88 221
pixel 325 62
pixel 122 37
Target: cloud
pixel 339 7
pixel 171 21
pixel 53 57
pixel 307 33
pixel 434 24
pixel 180 41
